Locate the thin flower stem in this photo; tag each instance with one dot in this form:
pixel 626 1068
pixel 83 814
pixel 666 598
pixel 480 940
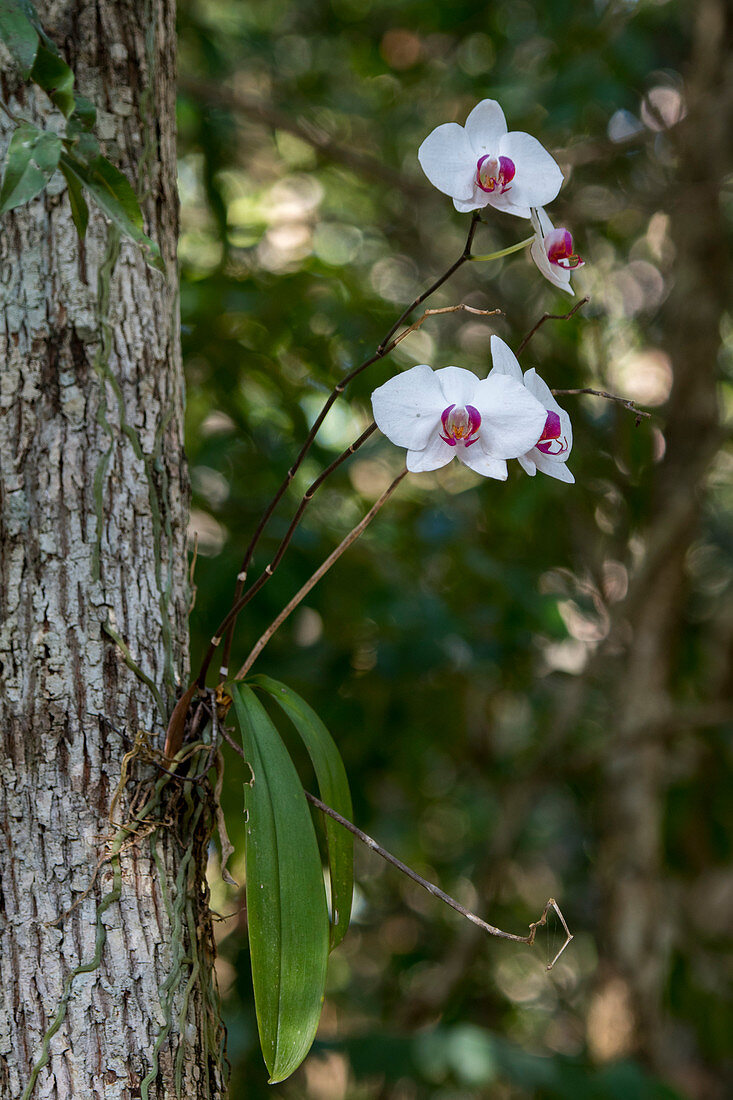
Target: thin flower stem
pixel 248 595
pixel 307 498
pixel 465 255
pixel 503 252
pixel 630 405
pixel 383 349
pixel 551 317
pixel 300 595
pixel 440 894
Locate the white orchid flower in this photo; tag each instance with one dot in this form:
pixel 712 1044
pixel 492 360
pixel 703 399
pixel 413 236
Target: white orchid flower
pixel 450 413
pixel 482 165
pixel 552 449
pixel 552 251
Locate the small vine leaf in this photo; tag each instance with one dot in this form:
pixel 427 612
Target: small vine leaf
pixel 18 34
pixel 79 208
pixel 83 146
pixel 32 158
pixel 113 193
pixel 51 73
pixel 286 897
pixel 84 116
pixel 334 787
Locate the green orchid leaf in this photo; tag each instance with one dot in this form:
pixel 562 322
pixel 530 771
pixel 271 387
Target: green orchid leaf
pixel 334 787
pixel 32 158
pixel 51 73
pixel 114 194
pixel 79 208
pixel 286 898
pixel 18 34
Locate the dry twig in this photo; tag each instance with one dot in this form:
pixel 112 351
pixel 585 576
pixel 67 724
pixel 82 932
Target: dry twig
pixel 551 317
pixel 440 894
pixel 630 405
pixel 460 308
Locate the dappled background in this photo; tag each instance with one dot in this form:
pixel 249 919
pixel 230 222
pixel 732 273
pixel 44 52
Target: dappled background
pixel 527 680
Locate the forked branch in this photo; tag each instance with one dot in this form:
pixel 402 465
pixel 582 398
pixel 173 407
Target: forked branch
pixel 441 894
pixel 551 317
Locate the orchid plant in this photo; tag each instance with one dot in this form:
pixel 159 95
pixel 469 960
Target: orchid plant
pixel 436 415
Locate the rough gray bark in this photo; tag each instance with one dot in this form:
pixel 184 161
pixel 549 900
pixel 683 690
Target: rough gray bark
pixel 93 509
pixel 638 906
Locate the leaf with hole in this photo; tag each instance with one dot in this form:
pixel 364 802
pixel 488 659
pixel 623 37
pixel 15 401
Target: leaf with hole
pixel 32 158
pixel 286 898
pixel 334 787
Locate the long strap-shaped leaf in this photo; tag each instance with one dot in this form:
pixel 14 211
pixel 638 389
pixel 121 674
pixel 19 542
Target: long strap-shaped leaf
pixel 334 788
pixel 286 898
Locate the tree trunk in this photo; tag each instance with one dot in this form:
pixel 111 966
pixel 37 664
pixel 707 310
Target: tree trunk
pixel 105 967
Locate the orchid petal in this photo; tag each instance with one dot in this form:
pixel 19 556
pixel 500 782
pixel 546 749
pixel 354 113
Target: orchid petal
pixel 458 385
pixel 539 389
pixel 485 127
pixel 558 244
pixel 511 418
pixel 558 276
pixel 481 463
pixel 504 360
pixel 437 454
pixel 527 465
pixel 553 465
pixel 447 159
pixel 538 178
pixel 478 202
pixel 555 469
pixel 502 200
pixel 407 408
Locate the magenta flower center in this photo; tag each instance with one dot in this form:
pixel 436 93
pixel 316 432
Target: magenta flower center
pixel 460 425
pixel 559 249
pixel 551 442
pixel 495 173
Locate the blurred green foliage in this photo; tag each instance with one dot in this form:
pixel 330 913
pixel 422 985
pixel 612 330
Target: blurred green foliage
pixel 453 650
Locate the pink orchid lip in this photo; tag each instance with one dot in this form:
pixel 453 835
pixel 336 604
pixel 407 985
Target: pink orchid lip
pixel 550 442
pixel 559 248
pixel 460 425
pixel 495 172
